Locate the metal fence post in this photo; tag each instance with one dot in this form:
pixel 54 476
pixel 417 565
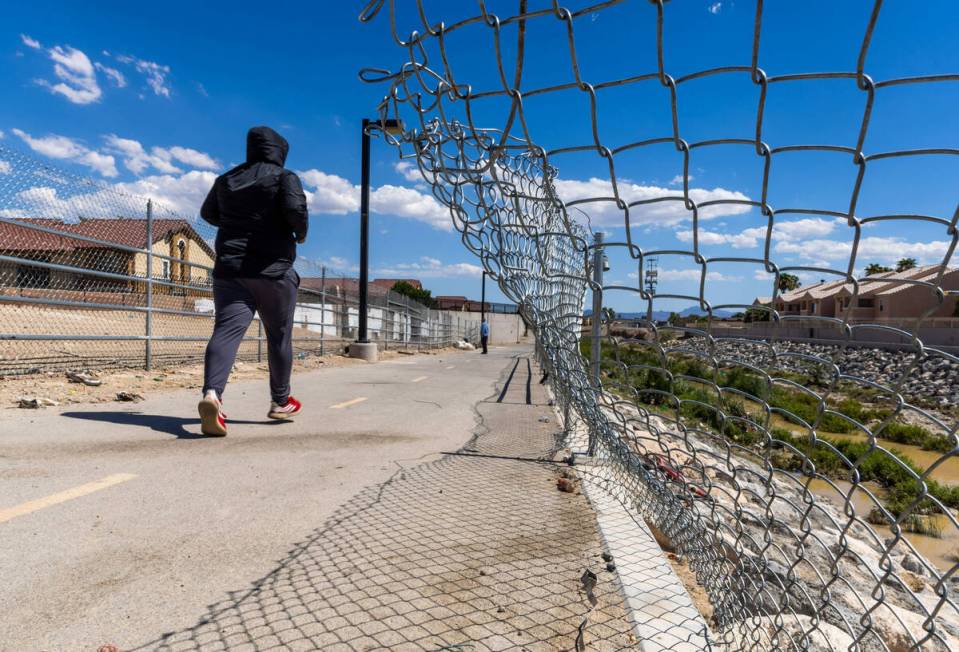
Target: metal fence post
pixel 148 349
pixel 596 348
pixel 322 307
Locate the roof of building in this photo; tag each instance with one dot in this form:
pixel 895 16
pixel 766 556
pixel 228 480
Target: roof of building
pixel 388 283
pixel 884 283
pixel 127 232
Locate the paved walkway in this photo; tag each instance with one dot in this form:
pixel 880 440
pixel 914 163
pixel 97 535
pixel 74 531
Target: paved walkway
pixel 176 548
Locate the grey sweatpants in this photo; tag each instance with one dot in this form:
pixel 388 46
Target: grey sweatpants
pixel 236 300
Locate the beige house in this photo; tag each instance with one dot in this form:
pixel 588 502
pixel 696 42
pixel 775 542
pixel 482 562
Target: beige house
pixel 884 296
pixel 192 257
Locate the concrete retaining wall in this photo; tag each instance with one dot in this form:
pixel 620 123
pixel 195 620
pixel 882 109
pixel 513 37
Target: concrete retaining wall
pixel 503 329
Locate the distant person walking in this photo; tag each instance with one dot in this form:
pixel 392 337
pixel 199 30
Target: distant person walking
pixel 260 213
pixel 484 335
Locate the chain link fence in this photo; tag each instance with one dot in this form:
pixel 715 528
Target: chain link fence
pixel 815 500
pixel 93 278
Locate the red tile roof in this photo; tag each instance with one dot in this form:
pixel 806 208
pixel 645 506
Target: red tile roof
pixel 123 231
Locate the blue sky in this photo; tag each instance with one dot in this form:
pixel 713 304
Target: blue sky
pixel 158 97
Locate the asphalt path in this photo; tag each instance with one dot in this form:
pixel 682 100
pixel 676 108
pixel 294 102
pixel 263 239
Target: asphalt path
pixel 121 522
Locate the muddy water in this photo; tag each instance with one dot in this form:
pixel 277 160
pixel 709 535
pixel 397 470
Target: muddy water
pixel 947 473
pixel 939 551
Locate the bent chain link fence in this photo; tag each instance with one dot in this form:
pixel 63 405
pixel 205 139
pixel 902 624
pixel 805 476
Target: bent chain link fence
pixel 802 540
pixel 81 287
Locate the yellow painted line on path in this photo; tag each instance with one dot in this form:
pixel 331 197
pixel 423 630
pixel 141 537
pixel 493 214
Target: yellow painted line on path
pixel 63 496
pixel 416 380
pixel 346 404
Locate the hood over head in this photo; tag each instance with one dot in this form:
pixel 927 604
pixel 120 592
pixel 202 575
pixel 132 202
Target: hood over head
pixel 263 145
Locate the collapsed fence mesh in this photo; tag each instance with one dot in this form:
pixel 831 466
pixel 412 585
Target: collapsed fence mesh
pixel 95 277
pixel 809 478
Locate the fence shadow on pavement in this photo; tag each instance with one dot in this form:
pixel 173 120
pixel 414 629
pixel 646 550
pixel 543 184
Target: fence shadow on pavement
pixel 468 552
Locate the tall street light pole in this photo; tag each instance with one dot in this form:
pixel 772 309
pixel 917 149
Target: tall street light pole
pixel 362 347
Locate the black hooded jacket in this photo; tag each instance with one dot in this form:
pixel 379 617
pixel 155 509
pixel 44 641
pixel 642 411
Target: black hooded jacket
pixel 259 210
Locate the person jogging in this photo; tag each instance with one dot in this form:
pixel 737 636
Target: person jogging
pixel 260 213
pixel 484 335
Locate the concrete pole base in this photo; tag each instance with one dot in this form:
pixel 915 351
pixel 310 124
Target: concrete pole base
pixel 365 351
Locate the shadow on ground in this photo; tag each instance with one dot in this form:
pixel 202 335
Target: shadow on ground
pixel 175 426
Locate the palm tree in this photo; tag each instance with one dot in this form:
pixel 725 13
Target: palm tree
pixel 905 263
pixel 788 282
pixel 876 268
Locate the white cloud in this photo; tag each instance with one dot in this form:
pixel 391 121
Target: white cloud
pixel 184 193
pixel 332 194
pixel 155 73
pixel 783 231
pixel 137 159
pixel 30 42
pixel 5 167
pixel 715 8
pixel 63 148
pixel 678 180
pixel 428 267
pixel 408 171
pixel 78 79
pixel 664 213
pixel 112 74
pixel 880 249
pixel 689 275
pixel 737 240
pixel 193 158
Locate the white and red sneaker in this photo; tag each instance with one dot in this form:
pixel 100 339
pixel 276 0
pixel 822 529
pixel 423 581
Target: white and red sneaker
pixel 285 412
pixel 212 417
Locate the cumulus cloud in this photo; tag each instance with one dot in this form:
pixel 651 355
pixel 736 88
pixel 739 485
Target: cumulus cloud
pixel 77 78
pixel 112 74
pixel 5 167
pixel 137 159
pixel 715 8
pixel 155 73
pixel 752 237
pixel 184 193
pixel 678 180
pixel 881 249
pixel 673 211
pixel 408 171
pixel 63 148
pixel 332 194
pixel 427 267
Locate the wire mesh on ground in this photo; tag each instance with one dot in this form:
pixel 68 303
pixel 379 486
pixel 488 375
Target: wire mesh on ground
pixel 405 566
pixel 93 277
pixel 779 471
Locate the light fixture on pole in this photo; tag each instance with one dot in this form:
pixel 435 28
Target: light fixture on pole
pixel 362 347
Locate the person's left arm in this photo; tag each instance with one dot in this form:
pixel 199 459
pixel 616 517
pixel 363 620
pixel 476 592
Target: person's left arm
pixel 293 205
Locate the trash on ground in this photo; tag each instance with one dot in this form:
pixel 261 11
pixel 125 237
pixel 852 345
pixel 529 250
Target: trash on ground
pixel 36 402
pixel 464 346
pixel 544 419
pixel 566 485
pixel 129 397
pixel 84 378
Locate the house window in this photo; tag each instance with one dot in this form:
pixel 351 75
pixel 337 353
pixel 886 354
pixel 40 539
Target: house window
pixel 32 277
pixel 812 307
pixel 166 269
pixel 866 303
